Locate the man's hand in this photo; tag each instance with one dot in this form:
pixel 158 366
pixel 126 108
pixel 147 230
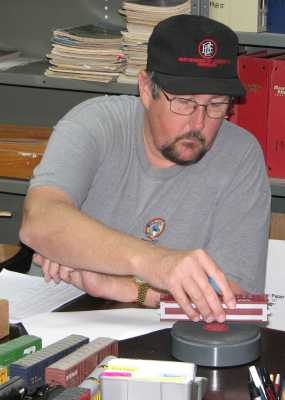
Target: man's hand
pixel 185 275
pixel 113 287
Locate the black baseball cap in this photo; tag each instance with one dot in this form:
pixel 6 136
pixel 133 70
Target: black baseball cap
pixel 192 54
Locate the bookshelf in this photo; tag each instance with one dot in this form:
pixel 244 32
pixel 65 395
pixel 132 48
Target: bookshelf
pixel 262 39
pixel 31 98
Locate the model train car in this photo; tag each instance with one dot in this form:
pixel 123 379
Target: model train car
pixel 74 394
pixel 3 375
pixel 14 389
pixel 71 370
pixel 32 367
pixel 18 348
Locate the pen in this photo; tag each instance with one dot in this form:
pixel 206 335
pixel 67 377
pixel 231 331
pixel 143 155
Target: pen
pixel 277 385
pixel 257 382
pixel 214 285
pixel 268 386
pixel 281 394
pixel 254 392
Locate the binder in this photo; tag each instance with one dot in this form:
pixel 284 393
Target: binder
pixel 251 112
pixel 276 120
pixel 276 16
pixel 261 111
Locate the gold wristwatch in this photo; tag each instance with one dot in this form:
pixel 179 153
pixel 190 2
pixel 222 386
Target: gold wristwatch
pixel 142 291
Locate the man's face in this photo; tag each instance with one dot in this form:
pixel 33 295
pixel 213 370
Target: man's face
pixel 171 138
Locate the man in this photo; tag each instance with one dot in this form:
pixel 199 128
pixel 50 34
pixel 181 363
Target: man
pixel 161 187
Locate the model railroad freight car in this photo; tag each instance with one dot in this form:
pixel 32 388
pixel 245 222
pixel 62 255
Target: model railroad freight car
pixel 71 370
pixel 32 367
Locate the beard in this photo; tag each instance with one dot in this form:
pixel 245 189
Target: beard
pixel 198 146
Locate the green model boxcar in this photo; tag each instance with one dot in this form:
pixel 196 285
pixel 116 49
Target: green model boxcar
pixel 17 348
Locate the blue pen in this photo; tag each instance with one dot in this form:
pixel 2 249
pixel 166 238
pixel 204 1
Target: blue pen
pixel 214 285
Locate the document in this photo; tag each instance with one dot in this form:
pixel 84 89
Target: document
pixel 275 284
pixel 123 323
pixel 31 295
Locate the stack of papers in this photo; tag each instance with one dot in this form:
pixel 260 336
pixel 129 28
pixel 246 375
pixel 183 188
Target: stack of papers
pixel 30 295
pixel 86 52
pixel 142 16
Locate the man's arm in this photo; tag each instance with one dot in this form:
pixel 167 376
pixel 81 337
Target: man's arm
pixel 55 228
pixel 119 288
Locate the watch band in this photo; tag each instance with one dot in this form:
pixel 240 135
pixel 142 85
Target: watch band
pixel 142 291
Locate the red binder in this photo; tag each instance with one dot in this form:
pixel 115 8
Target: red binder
pixel 276 119
pixel 251 111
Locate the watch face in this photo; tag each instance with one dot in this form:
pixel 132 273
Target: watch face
pixel 138 280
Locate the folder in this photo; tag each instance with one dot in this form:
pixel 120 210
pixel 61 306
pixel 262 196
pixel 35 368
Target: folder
pixel 276 120
pixel 276 16
pixel 251 112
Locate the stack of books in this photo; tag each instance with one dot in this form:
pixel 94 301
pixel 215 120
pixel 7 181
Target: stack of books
pixel 249 308
pixel 86 52
pixel 141 17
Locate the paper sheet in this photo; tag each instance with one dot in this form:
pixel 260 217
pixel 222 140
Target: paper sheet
pixel 119 324
pixel 30 295
pixel 275 283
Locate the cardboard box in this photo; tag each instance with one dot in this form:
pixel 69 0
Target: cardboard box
pixel 4 318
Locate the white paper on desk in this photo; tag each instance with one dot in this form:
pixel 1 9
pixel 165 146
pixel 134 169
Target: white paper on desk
pixel 275 283
pixel 30 295
pixel 119 324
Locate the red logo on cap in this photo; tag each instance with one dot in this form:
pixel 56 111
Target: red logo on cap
pixel 208 48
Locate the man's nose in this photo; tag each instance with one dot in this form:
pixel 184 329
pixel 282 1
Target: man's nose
pixel 197 119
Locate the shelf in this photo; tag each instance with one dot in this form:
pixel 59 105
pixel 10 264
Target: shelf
pixel 277 187
pixel 33 75
pixel 13 186
pixel 264 39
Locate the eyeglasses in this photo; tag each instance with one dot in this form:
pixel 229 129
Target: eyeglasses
pixel 182 106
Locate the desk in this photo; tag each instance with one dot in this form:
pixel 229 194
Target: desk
pixel 224 383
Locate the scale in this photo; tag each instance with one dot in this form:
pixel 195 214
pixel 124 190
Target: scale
pixel 215 344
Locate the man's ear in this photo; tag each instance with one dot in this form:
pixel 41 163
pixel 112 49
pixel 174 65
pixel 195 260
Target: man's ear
pixel 144 88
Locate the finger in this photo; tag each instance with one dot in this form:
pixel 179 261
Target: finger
pixel 215 273
pixel 213 310
pixel 65 273
pixel 200 300
pixel 215 303
pixel 53 271
pixel 37 259
pixel 225 287
pixel 186 305
pixel 76 279
pixel 45 269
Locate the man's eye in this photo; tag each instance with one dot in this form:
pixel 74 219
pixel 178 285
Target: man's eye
pixel 217 105
pixel 184 101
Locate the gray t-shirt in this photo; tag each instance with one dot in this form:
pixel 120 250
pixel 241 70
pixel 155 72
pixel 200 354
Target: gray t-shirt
pixel 220 204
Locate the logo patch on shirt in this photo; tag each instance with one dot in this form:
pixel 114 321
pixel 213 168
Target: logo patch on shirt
pixel 154 228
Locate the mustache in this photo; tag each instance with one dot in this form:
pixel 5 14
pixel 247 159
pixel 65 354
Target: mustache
pixel 194 134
